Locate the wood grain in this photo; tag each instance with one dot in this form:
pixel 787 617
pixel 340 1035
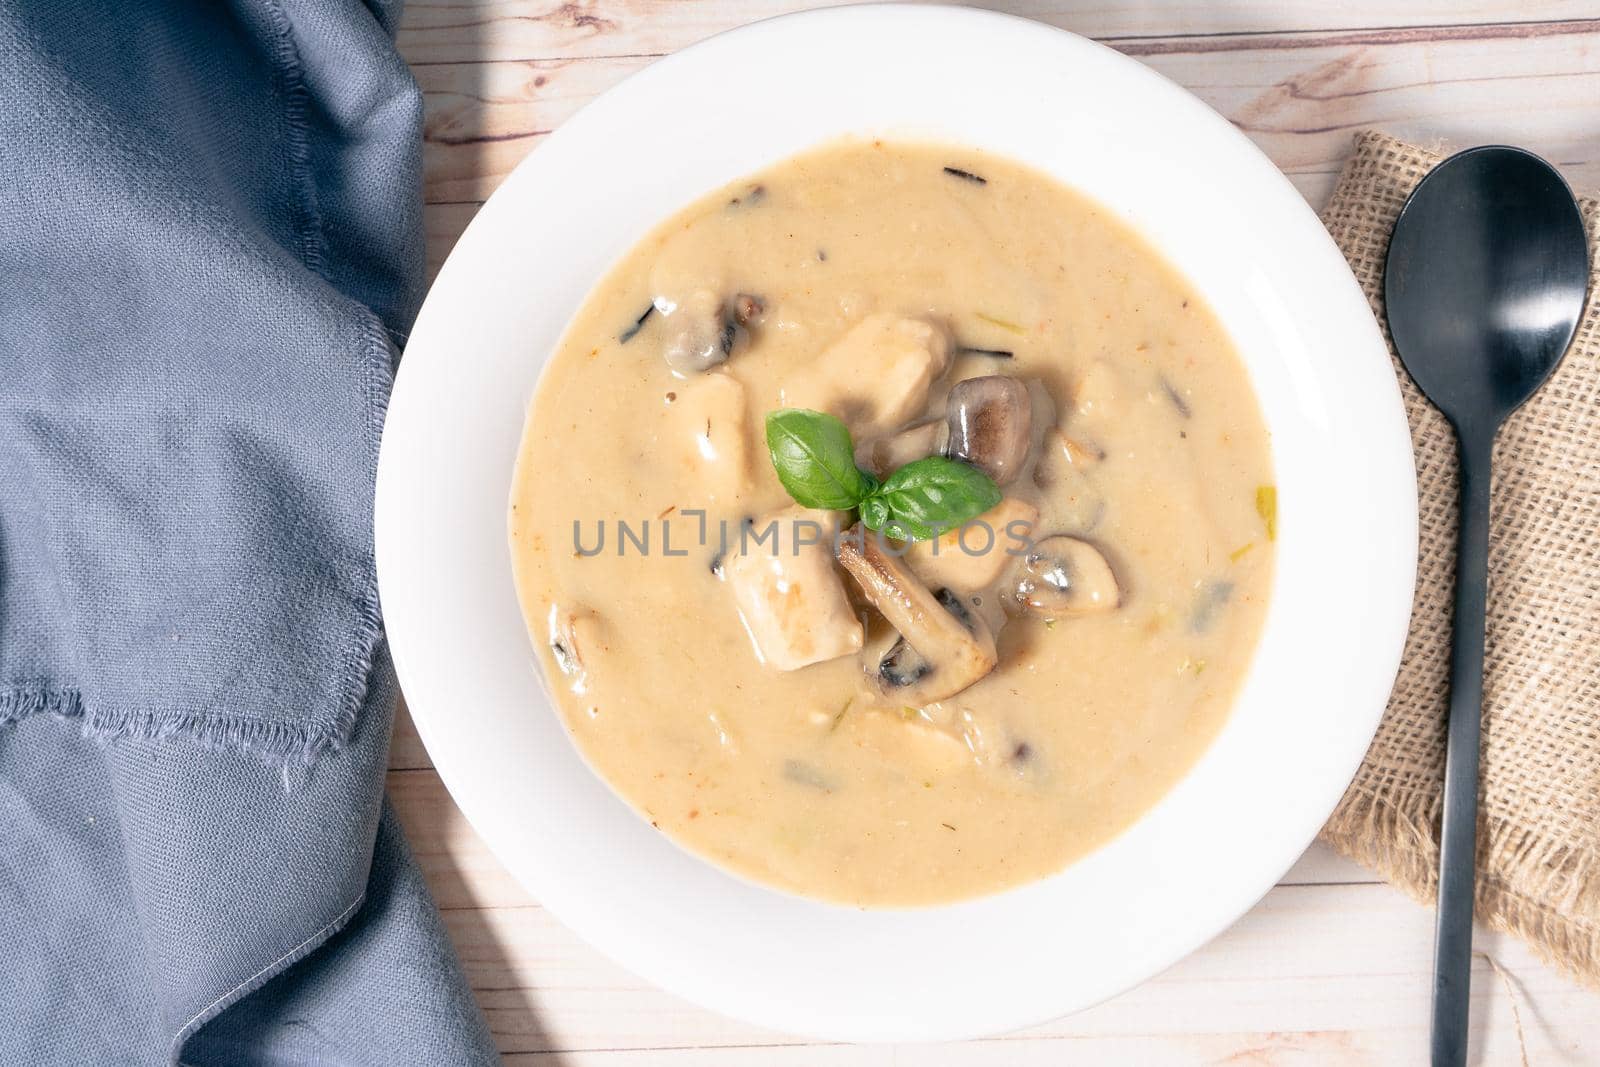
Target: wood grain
pixel 1298 96
pixel 1331 967
pixel 467 31
pixel 1313 960
pixel 1329 952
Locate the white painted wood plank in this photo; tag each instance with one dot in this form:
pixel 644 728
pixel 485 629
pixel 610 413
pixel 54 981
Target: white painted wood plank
pixel 460 870
pixel 1298 98
pixel 1300 104
pixel 1311 958
pixel 1266 1049
pixel 1308 962
pixel 437 31
pixel 442 225
pixel 482 118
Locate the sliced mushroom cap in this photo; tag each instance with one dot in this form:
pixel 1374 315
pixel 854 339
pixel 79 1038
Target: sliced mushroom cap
pixel 700 333
pixel 574 635
pixel 903 666
pixel 941 651
pixel 1064 576
pixel 991 420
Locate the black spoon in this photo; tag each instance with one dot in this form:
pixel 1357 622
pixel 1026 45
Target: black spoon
pixel 1484 285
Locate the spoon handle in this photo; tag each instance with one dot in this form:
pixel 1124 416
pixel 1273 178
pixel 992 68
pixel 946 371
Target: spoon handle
pixel 1452 951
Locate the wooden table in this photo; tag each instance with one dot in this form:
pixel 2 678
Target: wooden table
pixel 1332 966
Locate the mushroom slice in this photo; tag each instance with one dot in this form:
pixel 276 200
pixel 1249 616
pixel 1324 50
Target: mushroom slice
pixel 903 666
pixel 701 332
pixel 941 651
pixel 574 636
pixel 991 424
pixel 791 597
pixel 1064 576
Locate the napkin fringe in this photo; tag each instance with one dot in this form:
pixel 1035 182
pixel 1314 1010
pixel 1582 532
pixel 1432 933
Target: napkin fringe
pixel 276 740
pixel 1381 837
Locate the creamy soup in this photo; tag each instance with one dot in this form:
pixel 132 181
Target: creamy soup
pixel 844 715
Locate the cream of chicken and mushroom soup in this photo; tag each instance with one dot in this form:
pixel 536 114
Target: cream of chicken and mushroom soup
pixel 729 514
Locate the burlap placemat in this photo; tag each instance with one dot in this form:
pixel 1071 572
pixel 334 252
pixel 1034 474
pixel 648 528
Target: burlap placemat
pixel 1539 818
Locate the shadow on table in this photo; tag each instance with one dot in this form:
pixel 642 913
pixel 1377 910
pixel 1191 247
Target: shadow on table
pixel 448 46
pixel 506 1001
pixel 432 826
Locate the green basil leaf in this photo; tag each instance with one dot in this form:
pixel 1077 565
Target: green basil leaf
pixel 928 496
pixel 874 512
pixel 815 459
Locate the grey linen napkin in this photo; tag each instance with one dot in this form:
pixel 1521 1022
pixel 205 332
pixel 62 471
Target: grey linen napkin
pixel 211 244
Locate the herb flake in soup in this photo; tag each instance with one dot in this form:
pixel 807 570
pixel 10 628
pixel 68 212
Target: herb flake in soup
pixel 806 700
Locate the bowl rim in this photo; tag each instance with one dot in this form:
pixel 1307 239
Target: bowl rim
pixel 409 485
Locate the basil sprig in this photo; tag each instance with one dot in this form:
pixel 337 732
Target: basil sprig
pixel 928 496
pixel 815 460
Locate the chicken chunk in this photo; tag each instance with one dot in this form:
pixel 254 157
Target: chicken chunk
pixel 977 559
pixel 876 377
pixel 884 455
pixel 1097 393
pixel 789 593
pixel 1063 456
pixel 707 423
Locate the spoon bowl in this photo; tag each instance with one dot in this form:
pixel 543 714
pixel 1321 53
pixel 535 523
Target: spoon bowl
pixel 1485 281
